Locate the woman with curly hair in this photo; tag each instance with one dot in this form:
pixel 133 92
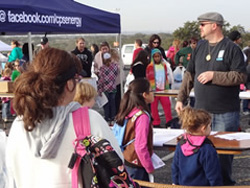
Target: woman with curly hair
pixel 40 141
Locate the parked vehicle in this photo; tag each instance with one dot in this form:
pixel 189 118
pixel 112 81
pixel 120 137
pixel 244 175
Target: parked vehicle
pixel 127 53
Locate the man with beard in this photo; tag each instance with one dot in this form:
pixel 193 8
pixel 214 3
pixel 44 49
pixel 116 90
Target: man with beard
pixel 215 71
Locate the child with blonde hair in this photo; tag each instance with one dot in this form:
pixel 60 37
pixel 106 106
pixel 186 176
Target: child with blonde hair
pixel 195 161
pixel 85 94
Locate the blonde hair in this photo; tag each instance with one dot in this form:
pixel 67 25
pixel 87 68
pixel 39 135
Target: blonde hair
pixel 7 72
pixel 191 119
pixel 176 43
pixel 84 92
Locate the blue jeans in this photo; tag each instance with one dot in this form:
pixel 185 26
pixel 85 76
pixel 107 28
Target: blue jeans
pixel 226 122
pixel 6 110
pixel 137 173
pixel 109 107
pixel 245 105
pixel 192 101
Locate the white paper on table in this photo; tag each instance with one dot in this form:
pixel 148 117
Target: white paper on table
pixel 213 132
pixel 235 136
pixel 164 135
pixel 242 94
pixel 101 100
pixel 157 162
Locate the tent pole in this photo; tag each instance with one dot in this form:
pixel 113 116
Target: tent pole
pixel 30 46
pixel 121 65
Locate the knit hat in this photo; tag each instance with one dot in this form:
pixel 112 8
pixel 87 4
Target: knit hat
pixel 155 50
pixel 211 17
pixel 234 35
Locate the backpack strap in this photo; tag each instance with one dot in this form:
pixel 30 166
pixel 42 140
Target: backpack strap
pixel 135 116
pixel 82 129
pixel 81 122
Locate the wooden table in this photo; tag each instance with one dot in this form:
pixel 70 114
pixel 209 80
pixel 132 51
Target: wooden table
pixel 174 93
pixel 222 146
pixel 11 95
pixel 167 93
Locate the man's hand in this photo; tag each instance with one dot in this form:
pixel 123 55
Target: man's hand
pixel 205 77
pixel 178 107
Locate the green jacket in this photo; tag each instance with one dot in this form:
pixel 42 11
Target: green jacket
pixel 15 74
pixel 16 53
pixel 186 54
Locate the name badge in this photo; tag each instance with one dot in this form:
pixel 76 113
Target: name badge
pixel 220 55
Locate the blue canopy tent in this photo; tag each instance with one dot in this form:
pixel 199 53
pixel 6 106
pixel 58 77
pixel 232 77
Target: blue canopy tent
pixel 55 16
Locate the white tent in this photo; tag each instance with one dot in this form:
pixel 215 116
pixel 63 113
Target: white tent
pixel 3 60
pixel 4 47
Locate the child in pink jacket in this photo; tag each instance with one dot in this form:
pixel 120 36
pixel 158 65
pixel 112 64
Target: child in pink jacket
pixel 134 107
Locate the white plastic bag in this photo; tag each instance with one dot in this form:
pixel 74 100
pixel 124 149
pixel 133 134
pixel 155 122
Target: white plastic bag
pixel 169 72
pixel 178 75
pixel 130 77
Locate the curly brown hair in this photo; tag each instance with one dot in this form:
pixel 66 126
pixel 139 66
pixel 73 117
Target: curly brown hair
pixel 191 119
pixel 41 87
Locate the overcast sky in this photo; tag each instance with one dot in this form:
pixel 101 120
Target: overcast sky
pixel 166 15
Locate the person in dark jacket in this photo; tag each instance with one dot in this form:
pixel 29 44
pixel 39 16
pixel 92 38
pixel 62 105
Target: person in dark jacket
pixel 140 64
pixel 84 55
pixel 154 42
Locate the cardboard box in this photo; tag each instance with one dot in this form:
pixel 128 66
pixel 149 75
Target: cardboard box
pixel 6 87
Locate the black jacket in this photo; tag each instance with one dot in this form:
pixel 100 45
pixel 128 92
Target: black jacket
pixel 86 59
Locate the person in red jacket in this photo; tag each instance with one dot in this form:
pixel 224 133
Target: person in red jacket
pixel 138 48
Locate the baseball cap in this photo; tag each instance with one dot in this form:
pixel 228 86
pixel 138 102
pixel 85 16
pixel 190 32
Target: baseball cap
pixel 44 40
pixel 212 17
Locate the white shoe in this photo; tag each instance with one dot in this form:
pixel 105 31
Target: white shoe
pixel 246 113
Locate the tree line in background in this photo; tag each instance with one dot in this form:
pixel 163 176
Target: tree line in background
pixel 67 42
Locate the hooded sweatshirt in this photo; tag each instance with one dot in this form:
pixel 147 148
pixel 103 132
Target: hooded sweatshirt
pixel 40 158
pixel 151 72
pixel 196 163
pixel 171 54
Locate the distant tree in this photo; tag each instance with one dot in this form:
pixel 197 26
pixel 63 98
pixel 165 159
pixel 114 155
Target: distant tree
pixel 190 29
pixel 239 28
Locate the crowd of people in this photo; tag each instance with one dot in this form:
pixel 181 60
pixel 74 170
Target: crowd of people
pixel 46 94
